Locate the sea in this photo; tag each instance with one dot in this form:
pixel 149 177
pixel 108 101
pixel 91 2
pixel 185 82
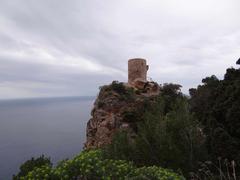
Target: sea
pixel 54 127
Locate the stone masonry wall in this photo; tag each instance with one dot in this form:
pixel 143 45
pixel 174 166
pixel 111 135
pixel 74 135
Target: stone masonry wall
pixel 137 69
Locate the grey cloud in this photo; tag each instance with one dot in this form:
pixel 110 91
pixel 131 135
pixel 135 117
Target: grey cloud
pixel 40 41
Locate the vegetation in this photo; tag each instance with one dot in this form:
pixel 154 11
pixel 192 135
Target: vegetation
pixel 31 164
pixel 222 170
pixel 124 93
pixel 168 135
pixel 90 165
pixel 216 104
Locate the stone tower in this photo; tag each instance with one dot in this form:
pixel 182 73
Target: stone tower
pixel 137 69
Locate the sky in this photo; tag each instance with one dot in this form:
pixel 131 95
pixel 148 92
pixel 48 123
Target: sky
pixel 71 47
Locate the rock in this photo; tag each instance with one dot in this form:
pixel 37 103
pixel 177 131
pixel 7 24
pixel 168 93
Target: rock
pixel 117 108
pixel 139 84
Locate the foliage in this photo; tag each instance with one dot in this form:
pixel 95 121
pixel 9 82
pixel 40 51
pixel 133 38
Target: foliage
pixel 170 89
pixel 124 93
pixel 131 115
pixel 31 164
pixel 171 140
pixel 152 172
pixel 118 87
pixel 216 104
pixel 170 92
pixel 168 136
pixel 90 165
pixel 120 148
pixel 223 170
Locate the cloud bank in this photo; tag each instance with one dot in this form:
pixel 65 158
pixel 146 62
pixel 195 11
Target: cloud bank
pixel 70 48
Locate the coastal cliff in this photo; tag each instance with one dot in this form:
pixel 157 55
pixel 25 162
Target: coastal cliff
pixel 118 107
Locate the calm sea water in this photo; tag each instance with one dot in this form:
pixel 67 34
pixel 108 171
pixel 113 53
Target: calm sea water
pixel 51 126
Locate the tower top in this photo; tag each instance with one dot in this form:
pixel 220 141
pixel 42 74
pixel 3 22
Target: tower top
pixel 137 59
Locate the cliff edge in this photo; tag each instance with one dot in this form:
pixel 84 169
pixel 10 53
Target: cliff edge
pixel 115 109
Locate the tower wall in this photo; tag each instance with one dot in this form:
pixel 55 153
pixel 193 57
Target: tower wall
pixel 137 69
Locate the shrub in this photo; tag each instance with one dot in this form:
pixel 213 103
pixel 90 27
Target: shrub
pixel 124 93
pixel 31 164
pixel 223 169
pixel 120 148
pixel 90 165
pixel 118 87
pixel 152 172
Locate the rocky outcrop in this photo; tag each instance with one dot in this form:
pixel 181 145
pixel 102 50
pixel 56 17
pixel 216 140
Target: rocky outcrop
pixel 118 107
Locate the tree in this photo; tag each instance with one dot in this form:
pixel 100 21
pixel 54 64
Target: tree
pixel 216 104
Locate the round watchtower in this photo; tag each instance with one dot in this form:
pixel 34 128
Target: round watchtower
pixel 137 69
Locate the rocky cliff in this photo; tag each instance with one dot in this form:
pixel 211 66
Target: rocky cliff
pixel 118 107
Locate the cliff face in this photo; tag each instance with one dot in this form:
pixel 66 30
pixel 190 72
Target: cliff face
pixel 115 109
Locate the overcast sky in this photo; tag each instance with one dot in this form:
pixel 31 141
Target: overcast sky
pixel 71 47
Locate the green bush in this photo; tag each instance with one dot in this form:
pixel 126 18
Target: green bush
pixel 120 148
pixel 31 164
pixel 118 87
pixel 151 173
pixel 125 93
pixel 90 165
